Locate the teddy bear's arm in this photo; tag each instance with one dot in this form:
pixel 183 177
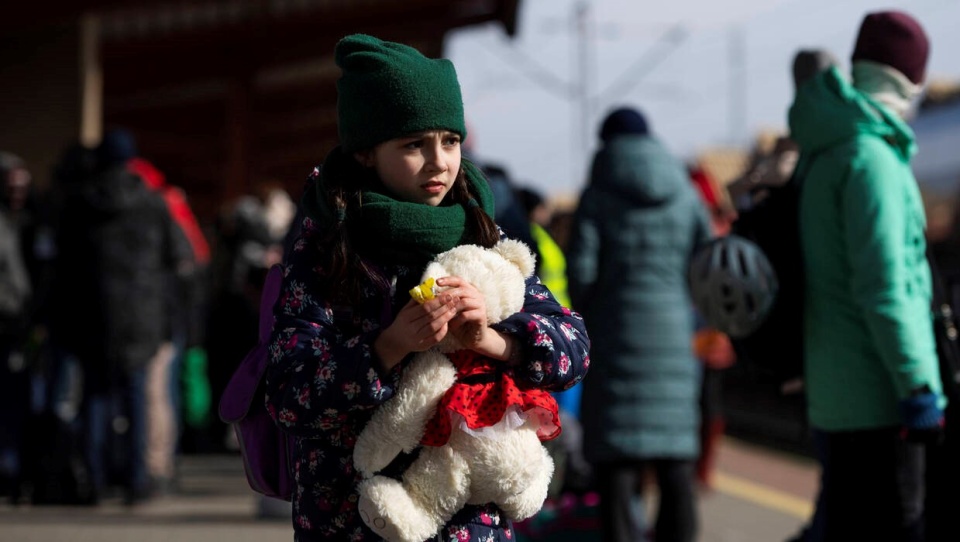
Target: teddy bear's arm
pixel 398 424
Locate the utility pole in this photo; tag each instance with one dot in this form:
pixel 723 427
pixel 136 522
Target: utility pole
pixel 584 76
pixel 737 89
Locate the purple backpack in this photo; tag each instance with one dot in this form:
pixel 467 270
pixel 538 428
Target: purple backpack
pixel 265 449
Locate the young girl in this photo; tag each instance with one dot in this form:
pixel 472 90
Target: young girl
pixel 394 194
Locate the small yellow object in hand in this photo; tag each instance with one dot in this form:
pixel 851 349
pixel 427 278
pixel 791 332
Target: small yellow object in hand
pixel 424 292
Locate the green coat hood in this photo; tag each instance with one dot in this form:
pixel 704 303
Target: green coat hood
pixel 829 110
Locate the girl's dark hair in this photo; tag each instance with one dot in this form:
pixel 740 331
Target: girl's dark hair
pixel 345 268
pixel 481 229
pixel 341 263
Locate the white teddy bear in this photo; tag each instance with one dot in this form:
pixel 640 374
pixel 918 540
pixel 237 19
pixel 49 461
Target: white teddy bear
pixel 463 460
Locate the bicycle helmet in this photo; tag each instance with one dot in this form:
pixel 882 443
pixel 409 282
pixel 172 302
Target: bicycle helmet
pixel 733 285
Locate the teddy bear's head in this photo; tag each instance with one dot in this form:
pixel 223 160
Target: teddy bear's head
pixel 499 273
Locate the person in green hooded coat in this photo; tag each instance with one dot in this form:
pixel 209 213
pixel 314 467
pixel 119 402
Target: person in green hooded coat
pixel 871 370
pixel 634 232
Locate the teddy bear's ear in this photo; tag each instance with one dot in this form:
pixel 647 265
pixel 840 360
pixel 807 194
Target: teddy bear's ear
pixel 517 253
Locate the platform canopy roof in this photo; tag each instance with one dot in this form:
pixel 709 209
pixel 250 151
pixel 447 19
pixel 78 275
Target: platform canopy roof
pixel 223 94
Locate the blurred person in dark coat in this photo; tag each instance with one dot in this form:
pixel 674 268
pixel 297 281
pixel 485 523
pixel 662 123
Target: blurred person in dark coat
pixel 116 247
pixel 182 326
pixel 250 238
pixel 634 233
pixel 189 385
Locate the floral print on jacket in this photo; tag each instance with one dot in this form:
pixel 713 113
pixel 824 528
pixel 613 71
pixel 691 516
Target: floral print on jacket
pixel 322 386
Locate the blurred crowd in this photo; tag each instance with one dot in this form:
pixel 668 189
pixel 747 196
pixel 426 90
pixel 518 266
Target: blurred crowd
pixel 123 317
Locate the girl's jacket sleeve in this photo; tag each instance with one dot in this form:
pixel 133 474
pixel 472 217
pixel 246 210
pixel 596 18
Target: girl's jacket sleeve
pixel 556 349
pixel 321 380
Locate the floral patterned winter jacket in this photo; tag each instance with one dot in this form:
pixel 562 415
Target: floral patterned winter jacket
pixel 322 386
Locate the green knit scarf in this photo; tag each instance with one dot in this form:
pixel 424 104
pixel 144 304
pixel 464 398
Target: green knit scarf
pixel 386 230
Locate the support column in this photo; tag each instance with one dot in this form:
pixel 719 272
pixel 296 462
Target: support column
pixel 91 82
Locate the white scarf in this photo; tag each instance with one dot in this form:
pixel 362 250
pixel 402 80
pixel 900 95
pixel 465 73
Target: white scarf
pixel 886 86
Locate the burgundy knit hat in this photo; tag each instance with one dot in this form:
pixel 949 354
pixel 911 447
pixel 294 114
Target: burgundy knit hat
pixel 894 39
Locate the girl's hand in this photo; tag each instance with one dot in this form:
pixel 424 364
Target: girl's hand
pixel 416 328
pixel 469 326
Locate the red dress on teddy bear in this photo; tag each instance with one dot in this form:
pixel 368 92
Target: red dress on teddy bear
pixel 481 396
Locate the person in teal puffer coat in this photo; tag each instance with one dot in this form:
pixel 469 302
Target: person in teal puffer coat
pixel 635 230
pixel 871 369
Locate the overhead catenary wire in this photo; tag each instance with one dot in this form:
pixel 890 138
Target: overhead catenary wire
pixel 654 56
pixel 515 58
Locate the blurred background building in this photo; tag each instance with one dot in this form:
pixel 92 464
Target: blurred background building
pixel 220 93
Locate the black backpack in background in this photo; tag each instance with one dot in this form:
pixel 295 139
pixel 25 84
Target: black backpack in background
pixel 946 296
pixel 943 469
pixel 773 224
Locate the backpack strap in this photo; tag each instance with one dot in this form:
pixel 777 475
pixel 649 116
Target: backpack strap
pixel 268 298
pixel 242 387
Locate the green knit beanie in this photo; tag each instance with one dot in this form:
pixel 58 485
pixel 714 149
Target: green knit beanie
pixel 388 90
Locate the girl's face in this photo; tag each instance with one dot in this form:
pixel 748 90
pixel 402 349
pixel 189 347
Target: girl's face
pixel 418 168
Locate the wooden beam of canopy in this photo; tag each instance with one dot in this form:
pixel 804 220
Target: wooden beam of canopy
pixel 159 15
pixel 125 74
